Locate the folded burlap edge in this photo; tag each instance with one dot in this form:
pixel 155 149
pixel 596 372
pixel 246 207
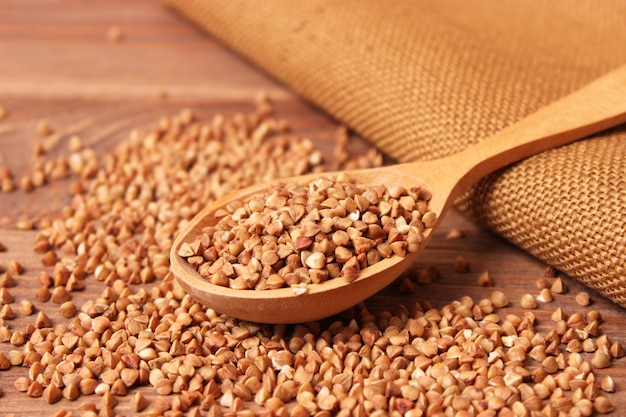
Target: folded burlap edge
pixel 565 206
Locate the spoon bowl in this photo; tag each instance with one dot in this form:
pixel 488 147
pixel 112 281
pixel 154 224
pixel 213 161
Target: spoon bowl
pixel 284 305
pixel 596 107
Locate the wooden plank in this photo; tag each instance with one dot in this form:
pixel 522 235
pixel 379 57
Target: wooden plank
pixel 62 48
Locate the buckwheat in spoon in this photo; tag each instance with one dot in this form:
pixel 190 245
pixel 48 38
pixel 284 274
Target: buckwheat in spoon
pixel 306 248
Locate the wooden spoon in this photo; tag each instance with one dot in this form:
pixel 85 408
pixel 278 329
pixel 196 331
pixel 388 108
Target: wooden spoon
pixel 596 107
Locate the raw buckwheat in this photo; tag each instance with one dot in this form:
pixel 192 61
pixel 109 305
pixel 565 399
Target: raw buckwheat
pixel 297 234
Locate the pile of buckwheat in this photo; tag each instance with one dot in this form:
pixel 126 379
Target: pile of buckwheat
pixel 298 234
pixel 464 359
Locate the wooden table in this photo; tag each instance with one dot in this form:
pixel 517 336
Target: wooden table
pixel 59 62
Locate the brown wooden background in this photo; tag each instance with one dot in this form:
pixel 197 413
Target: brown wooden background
pixel 57 63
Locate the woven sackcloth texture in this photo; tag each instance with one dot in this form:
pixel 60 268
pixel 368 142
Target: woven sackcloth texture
pixel 422 79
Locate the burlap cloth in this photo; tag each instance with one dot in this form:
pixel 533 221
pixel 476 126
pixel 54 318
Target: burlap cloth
pixel 423 79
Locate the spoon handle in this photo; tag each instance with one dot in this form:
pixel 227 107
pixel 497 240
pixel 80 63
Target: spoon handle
pixel 595 107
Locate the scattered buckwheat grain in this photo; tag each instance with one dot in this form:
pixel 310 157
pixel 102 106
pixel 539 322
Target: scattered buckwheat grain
pixel 455 234
pixel 115 34
pixel 583 299
pixel 467 358
pixel 43 128
pixel 461 265
pixel 558 286
pixel 485 279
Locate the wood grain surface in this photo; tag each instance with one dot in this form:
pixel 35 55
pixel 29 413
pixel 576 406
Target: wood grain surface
pixel 59 64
